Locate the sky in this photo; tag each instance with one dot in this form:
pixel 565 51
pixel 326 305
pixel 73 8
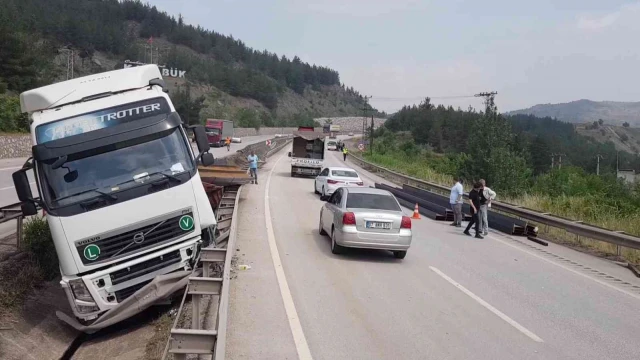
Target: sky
pixel 401 51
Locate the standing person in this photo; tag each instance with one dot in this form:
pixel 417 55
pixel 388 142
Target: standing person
pixel 253 166
pixel 487 195
pixel 344 153
pixel 227 142
pixel 455 200
pixel 474 202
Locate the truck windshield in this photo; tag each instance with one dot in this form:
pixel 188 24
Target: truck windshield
pixel 116 167
pixel 212 131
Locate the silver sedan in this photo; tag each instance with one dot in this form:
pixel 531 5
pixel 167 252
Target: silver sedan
pixel 365 218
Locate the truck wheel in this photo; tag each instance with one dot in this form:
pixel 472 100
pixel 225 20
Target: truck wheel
pixel 399 254
pixel 321 226
pixel 335 248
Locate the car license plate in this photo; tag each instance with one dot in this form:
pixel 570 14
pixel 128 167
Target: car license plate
pixel 378 225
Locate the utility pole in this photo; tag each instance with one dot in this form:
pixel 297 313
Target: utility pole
pixel 553 156
pixel 598 164
pixel 489 98
pixel 560 160
pixel 364 117
pixel 371 137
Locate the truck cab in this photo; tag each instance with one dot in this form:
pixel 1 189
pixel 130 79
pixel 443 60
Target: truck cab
pixel 119 181
pixel 218 131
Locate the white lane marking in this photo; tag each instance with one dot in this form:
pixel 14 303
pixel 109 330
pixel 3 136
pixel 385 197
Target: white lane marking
pixel 11 168
pixel 566 268
pixel 488 306
pixel 294 321
pixel 13 187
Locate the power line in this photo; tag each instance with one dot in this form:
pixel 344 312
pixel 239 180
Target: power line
pixel 387 98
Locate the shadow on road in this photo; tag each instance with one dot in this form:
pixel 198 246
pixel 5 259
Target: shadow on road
pixel 350 254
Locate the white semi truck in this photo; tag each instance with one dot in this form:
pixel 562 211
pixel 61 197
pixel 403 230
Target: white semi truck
pixel 119 182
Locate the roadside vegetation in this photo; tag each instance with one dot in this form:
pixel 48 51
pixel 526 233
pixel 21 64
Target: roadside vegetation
pixel 28 268
pixel 514 155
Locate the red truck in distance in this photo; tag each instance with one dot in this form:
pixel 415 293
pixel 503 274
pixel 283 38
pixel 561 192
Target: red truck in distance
pixel 218 131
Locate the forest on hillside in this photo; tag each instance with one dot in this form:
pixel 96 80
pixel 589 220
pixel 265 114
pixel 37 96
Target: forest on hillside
pixel 453 131
pixel 33 31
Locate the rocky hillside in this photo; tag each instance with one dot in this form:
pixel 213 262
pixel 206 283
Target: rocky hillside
pixel 44 41
pixel 623 138
pixel 587 111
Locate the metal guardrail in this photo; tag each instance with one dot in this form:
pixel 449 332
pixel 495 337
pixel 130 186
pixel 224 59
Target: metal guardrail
pixel 14 212
pixel 196 340
pixel 575 227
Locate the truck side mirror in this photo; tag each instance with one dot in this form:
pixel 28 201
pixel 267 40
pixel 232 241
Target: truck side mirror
pixel 207 159
pixel 289 153
pixel 201 139
pixel 23 189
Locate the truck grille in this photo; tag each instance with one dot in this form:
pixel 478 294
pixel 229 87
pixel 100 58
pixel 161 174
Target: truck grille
pixel 133 240
pixel 144 268
pixel 121 295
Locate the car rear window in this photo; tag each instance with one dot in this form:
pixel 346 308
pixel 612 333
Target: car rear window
pixel 344 173
pixel 372 201
pixel 331 143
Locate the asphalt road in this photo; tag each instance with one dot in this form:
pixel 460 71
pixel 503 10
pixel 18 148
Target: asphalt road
pixel 8 166
pixel 452 297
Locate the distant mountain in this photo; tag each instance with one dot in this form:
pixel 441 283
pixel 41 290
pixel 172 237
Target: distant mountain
pixel 587 111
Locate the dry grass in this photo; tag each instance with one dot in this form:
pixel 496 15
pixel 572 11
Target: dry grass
pixel 19 276
pixel 155 346
pixel 575 208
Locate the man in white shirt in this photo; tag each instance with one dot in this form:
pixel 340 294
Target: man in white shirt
pixel 455 200
pixel 485 203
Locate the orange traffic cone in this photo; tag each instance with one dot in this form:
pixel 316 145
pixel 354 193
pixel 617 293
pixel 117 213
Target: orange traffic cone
pixel 416 212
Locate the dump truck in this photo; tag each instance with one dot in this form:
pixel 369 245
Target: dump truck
pixel 307 155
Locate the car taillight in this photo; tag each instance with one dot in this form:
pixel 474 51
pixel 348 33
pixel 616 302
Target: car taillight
pixel 360 183
pixel 349 218
pixel 405 223
pixel 333 181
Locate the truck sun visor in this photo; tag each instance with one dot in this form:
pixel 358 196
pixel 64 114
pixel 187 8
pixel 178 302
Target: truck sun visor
pixel 101 119
pixel 106 136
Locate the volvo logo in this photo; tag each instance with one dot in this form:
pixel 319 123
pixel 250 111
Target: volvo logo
pixel 138 238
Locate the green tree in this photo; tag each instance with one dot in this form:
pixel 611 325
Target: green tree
pixel 188 108
pixel 11 119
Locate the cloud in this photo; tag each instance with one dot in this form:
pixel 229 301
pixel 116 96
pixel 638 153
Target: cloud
pixel 590 22
pixel 353 8
pixel 587 22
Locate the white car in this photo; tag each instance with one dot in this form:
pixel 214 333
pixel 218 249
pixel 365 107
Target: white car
pixel 332 145
pixel 332 178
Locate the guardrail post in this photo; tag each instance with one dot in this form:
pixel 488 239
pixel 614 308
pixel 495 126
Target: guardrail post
pixel 19 233
pixel 195 317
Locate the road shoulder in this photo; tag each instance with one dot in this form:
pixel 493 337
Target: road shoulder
pixel 258 326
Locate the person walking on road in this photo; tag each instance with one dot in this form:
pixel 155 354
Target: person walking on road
pixel 253 166
pixel 455 200
pixel 344 153
pixel 486 196
pixel 474 202
pixel 227 143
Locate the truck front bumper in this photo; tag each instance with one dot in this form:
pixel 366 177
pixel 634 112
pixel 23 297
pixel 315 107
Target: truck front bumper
pixel 111 286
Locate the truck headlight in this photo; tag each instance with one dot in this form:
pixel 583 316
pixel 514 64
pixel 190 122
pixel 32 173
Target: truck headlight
pixel 86 309
pixel 80 290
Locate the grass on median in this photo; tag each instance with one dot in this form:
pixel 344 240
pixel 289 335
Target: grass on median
pixel 25 271
pixel 582 208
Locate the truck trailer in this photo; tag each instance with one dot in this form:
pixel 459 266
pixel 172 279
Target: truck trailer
pixel 119 182
pixel 308 153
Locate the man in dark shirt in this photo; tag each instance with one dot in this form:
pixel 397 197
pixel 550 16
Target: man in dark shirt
pixel 474 202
